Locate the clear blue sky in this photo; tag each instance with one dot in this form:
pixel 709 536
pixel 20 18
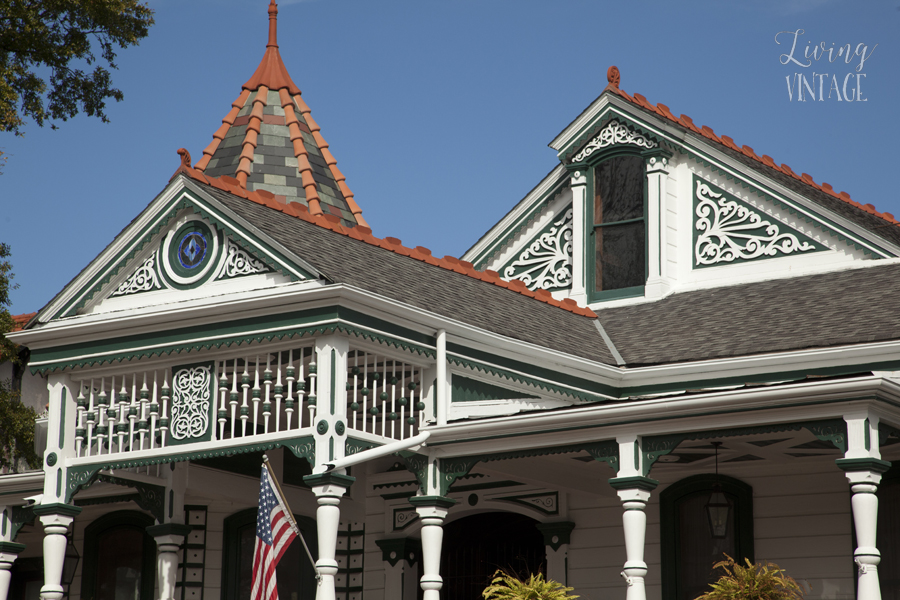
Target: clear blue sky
pixel 439 113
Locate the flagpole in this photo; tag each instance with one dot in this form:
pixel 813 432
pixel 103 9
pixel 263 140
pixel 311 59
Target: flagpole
pixel 290 515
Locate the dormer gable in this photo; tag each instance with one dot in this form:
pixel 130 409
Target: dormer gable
pixel 644 204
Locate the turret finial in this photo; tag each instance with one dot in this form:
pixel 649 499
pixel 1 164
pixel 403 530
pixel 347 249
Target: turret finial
pixel 273 25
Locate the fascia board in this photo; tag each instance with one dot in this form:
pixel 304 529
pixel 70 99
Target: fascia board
pixel 745 407
pixel 14 483
pixel 494 235
pixel 119 243
pixel 574 128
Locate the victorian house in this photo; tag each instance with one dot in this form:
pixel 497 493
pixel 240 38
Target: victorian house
pixel 671 349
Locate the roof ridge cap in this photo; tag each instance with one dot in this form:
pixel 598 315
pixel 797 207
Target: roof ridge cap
pixel 363 234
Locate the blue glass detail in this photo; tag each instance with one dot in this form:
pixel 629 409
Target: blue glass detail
pixel 192 250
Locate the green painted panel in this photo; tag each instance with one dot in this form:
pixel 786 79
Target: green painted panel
pixel 464 389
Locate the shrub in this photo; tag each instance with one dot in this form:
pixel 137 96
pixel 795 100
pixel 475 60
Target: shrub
pixel 507 587
pixel 752 582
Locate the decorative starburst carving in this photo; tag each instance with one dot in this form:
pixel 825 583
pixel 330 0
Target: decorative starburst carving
pixel 547 261
pixel 240 262
pixel 730 231
pixel 144 279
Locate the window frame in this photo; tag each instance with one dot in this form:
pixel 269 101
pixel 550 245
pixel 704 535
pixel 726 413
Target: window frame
pixel 590 245
pixel 120 519
pixel 231 546
pixel 668 523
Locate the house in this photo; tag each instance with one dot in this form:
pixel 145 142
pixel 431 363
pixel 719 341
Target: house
pixel 672 348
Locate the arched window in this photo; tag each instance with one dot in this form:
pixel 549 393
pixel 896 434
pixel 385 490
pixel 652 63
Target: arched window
pixel 119 558
pixel 295 575
pixel 689 549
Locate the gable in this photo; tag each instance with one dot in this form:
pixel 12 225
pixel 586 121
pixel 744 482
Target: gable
pixel 183 245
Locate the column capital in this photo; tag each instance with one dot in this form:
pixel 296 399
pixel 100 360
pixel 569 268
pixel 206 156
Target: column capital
pixel 57 508
pixel 634 482
pixel 432 501
pixel 863 464
pixel 329 484
pixel 393 550
pixel 10 549
pixel 168 531
pixel 556 534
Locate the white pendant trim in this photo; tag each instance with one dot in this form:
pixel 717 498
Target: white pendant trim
pixel 726 231
pixel 614 133
pixel 547 261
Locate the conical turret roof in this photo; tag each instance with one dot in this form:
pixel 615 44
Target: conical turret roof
pixel 269 141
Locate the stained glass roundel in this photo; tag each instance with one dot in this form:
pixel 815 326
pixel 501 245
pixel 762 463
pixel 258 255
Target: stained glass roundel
pixel 189 253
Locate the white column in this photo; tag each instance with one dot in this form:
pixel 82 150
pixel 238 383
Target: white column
pixel 657 174
pixel 169 537
pixel 432 512
pixel 863 467
pixel 578 184
pixel 328 488
pixel 8 553
pixel 443 392
pixel 56 519
pixel 399 556
pixel 330 421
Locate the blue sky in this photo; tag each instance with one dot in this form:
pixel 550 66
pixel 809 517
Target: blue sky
pixel 439 113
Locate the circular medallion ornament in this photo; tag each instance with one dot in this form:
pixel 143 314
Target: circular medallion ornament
pixel 339 428
pixel 51 459
pixel 322 427
pixel 190 253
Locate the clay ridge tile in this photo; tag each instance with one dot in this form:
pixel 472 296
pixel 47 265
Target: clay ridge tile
pixel 364 234
pixel 707 132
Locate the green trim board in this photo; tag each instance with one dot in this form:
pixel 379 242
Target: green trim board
pixel 107 525
pixel 322 320
pixel 546 503
pixel 738 492
pixel 184 199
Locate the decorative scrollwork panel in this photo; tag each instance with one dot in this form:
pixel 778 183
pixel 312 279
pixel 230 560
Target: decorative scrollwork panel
pixel 144 279
pixel 192 402
pixel 546 263
pixel 239 262
pixel 614 134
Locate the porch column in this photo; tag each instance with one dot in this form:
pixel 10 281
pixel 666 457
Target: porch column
pixel 432 510
pixel 169 537
pixel 397 553
pixel 56 519
pixel 863 467
pixel 634 492
pixel 8 553
pixel 328 488
pixel 556 542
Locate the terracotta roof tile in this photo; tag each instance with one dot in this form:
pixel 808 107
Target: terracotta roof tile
pixel 613 77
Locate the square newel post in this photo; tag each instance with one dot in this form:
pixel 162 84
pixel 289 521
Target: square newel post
pixel 169 537
pixel 432 511
pixel 328 488
pixel 556 541
pixel 395 552
pixel 8 553
pixel 56 518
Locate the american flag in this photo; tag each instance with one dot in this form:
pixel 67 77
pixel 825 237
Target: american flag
pixel 273 535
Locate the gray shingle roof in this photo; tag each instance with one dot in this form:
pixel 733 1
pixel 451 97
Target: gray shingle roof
pixel 815 311
pixel 460 297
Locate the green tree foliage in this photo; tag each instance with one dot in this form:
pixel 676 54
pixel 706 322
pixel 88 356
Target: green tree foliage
pixel 57 38
pixel 752 582
pixel 507 587
pixel 16 419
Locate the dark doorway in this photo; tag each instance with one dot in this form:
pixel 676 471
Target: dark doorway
pixel 476 546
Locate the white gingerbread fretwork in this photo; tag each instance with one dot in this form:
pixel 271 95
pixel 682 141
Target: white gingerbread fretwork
pixel 144 279
pixel 547 261
pixel 730 231
pixel 614 133
pixel 190 402
pixel 239 262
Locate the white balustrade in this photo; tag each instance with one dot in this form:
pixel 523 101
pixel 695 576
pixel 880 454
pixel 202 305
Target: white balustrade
pixel 383 396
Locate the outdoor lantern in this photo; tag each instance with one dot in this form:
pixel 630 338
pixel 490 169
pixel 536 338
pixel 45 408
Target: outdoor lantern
pixel 718 507
pixel 70 564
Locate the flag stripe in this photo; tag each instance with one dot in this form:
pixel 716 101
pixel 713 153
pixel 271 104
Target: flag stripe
pixel 274 533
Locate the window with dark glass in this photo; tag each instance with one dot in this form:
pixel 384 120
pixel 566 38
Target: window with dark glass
pixel 119 558
pixel 618 229
pixel 295 576
pixel 689 547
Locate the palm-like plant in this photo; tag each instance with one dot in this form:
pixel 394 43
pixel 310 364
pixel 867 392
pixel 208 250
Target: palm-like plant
pixel 507 587
pixel 752 582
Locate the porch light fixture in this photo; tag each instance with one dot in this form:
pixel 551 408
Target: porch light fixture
pixel 70 564
pixel 718 507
